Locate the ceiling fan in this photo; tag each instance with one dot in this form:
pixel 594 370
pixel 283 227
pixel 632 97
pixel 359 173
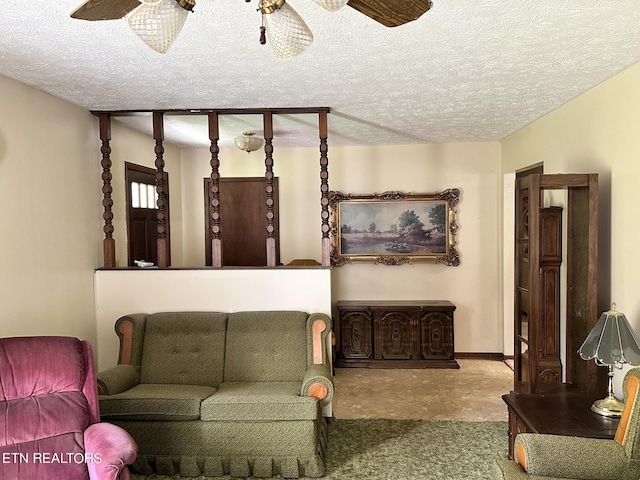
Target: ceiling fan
pixel 158 22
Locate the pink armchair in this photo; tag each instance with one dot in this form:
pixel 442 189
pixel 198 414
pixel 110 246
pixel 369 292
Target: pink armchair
pixel 49 418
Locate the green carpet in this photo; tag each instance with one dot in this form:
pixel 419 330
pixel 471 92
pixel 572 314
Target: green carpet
pixel 409 450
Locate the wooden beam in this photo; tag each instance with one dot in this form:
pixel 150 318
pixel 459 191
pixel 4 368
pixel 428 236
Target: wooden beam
pixel 220 111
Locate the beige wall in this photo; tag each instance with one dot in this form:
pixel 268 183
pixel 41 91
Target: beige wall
pixel 474 286
pixel 50 288
pixel 597 132
pixel 50 214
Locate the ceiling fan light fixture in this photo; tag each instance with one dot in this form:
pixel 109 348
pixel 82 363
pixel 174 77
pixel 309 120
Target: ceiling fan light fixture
pixel 269 6
pixel 331 5
pixel 287 32
pixel 159 24
pixel 187 4
pixel 248 142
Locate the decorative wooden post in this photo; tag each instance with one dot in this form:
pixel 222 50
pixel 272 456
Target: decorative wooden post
pixel 268 161
pixel 108 244
pixel 216 237
pixel 158 135
pixel 324 188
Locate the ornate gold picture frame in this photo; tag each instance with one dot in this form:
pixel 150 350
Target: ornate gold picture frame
pixel 394 228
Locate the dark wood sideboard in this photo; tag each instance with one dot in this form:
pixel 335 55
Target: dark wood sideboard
pixel 562 413
pixel 395 334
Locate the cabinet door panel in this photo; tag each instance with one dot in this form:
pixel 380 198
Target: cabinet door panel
pixel 396 337
pixel 356 335
pixel 436 329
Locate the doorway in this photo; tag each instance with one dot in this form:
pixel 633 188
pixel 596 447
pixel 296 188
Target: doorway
pixel 142 214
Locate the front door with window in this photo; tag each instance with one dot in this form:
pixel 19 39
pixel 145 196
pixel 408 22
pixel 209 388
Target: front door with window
pixel 142 213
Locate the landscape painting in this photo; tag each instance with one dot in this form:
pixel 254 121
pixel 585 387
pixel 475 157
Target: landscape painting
pixel 394 228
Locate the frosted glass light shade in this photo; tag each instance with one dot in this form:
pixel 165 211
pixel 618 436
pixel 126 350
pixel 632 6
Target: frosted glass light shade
pixel 332 5
pixel 248 142
pixel 286 32
pixel 158 24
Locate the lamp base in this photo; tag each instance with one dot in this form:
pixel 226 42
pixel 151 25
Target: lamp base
pixel 608 407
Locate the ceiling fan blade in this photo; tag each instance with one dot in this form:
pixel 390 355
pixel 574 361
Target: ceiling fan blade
pixel 392 13
pixel 104 9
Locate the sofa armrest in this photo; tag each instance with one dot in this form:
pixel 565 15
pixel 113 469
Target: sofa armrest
pixel 570 457
pixel 109 449
pixel 318 382
pixel 118 379
pixel 130 331
pixel 318 328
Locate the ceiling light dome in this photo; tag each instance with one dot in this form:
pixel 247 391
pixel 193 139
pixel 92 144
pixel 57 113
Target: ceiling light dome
pixel 248 142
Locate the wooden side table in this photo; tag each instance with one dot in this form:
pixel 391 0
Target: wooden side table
pixel 565 413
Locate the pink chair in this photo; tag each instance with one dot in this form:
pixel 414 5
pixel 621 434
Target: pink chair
pixel 49 419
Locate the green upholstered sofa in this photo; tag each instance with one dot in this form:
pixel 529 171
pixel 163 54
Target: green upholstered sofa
pixel 211 393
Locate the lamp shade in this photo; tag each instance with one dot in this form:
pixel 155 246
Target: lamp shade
pixel 286 31
pixel 159 24
pixel 331 5
pixel 612 341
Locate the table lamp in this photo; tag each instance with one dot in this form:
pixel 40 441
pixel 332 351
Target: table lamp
pixel 612 343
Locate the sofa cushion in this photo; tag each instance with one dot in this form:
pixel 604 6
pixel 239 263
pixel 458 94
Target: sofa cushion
pixel 266 347
pixel 155 402
pixel 185 348
pixel 259 401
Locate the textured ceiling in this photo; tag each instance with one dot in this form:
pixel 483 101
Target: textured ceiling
pixel 467 70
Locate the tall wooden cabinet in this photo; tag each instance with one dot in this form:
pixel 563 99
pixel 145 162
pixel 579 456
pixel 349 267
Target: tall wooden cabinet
pixel 395 334
pixel 539 341
pixel 539 300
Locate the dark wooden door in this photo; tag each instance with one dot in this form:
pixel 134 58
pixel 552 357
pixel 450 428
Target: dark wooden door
pixel 243 221
pixel 142 213
pixel 522 302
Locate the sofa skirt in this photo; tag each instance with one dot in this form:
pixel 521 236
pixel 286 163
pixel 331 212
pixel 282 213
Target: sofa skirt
pixel 290 449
